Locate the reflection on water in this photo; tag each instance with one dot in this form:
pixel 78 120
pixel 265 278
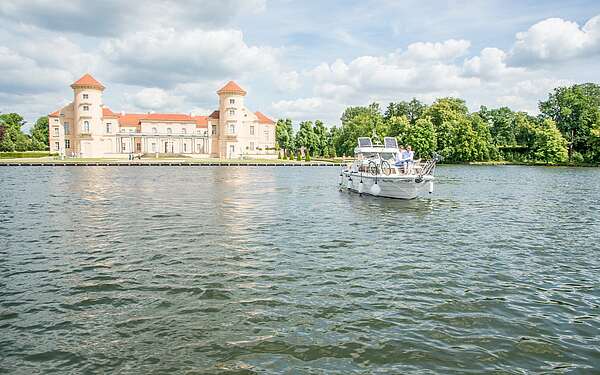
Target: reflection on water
pixel 261 270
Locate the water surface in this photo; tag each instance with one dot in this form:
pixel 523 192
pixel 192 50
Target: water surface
pixel 273 270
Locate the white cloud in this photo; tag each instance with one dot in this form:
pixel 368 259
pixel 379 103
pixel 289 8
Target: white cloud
pixel 310 108
pixel 21 74
pixel 491 65
pixel 112 18
pixel 447 50
pixel 166 57
pixel 555 39
pixel 288 81
pixel 155 99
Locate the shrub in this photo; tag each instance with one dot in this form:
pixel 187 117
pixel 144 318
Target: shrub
pixel 26 154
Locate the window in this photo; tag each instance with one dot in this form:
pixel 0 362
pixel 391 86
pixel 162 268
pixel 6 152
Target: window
pixel 86 107
pixel 85 96
pixel 231 112
pixel 86 126
pixel 251 130
pixel 153 146
pixel 55 120
pixel 123 147
pixel 231 101
pixel 108 125
pixel 138 147
pixel 184 148
pixel 183 131
pixel 251 146
pixel 55 132
pixel 67 143
pixel 214 130
pixel 57 146
pixel 169 131
pixel 66 127
pixel 154 131
pixel 231 128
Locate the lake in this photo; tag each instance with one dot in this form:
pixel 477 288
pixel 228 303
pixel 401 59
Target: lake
pixel 273 270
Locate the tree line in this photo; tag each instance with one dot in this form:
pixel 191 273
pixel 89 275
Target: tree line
pixel 566 129
pixel 12 137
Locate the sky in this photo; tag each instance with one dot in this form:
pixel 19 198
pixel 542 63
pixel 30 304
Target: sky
pixel 305 60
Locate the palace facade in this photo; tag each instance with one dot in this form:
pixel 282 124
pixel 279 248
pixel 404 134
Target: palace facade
pixel 87 128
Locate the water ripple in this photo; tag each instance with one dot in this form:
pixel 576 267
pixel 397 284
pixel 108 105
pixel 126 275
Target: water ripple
pixel 258 270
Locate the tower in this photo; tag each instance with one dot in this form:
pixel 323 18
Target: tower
pixel 87 113
pixel 231 115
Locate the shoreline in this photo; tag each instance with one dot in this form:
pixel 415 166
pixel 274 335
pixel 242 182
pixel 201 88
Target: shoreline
pixel 163 163
pixel 51 162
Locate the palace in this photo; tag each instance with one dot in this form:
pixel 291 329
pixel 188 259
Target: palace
pixel 87 128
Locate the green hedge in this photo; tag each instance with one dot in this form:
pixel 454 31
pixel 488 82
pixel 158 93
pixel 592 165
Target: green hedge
pixel 26 154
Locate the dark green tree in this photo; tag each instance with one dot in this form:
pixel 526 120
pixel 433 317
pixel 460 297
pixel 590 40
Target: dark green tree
pixel 412 110
pixel 39 134
pixel 549 146
pixel 576 111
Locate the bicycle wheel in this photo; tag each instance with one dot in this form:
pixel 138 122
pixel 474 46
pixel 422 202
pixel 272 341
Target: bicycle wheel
pixel 386 168
pixel 373 168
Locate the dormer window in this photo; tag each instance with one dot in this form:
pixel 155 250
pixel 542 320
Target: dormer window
pixel 86 107
pixel 85 96
pixel 231 101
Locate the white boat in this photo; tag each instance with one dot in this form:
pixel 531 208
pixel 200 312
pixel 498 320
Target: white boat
pixel 373 172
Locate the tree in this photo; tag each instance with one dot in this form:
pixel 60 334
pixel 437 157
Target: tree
pixel 412 110
pixel 549 146
pixel 332 137
pixel 39 134
pixel 483 144
pixel 501 124
pixel 359 122
pixel 284 135
pixel 576 111
pixel 320 133
pixel 421 137
pixel 13 138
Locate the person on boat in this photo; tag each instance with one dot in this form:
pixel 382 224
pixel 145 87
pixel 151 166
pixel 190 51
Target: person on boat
pixel 400 158
pixel 408 156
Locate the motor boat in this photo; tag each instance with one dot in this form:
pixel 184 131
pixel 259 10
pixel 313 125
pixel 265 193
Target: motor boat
pixel 374 172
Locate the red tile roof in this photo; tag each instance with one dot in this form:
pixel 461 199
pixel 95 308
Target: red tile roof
pixel 263 119
pixel 232 88
pixel 54 114
pixel 201 121
pixel 168 117
pixel 106 112
pixel 131 119
pixel 87 80
pixel 214 115
pixel 134 119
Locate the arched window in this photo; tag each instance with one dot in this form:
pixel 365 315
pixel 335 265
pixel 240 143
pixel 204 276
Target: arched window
pixel 169 131
pixel 154 130
pixel 86 126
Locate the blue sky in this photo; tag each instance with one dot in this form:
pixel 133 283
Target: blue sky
pixel 304 60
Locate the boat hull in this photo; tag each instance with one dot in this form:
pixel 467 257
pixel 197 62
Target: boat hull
pixel 400 187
